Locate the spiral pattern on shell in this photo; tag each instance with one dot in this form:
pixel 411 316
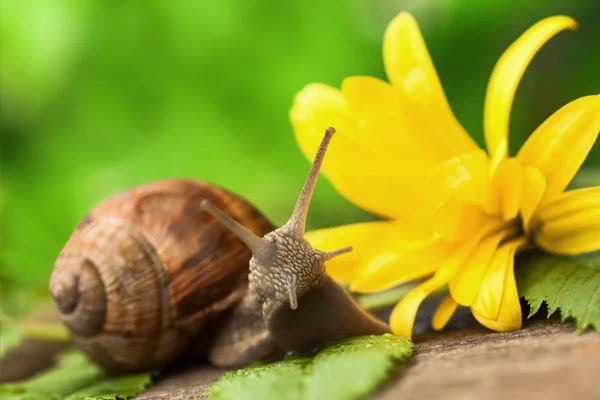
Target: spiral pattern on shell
pixel 145 268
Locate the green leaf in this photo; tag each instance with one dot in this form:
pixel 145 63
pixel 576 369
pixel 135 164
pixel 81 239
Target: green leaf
pixel 353 368
pixel 568 284
pixel 75 378
pixel 263 381
pixel 345 369
pixel 116 387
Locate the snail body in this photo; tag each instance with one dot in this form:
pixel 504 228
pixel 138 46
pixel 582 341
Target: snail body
pixel 291 305
pixel 147 268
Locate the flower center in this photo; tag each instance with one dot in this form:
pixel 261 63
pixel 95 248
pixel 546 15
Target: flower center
pixel 515 230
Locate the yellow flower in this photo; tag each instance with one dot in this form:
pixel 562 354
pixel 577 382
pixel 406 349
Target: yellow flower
pixel 453 212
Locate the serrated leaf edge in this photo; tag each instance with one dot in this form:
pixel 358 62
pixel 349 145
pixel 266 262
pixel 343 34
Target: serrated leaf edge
pixel 580 325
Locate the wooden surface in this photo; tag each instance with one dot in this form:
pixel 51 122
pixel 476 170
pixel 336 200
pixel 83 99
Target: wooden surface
pixel 546 360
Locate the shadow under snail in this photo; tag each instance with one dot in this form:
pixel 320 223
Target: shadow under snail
pixel 152 271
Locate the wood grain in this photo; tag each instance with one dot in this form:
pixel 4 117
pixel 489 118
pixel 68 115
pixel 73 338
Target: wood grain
pixel 546 360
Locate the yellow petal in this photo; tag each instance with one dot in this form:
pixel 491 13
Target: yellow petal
pixel 466 282
pixel 559 146
pixel 506 76
pixel 570 202
pixel 497 302
pixel 403 315
pixel 443 313
pixel 570 223
pixel 464 177
pixel 509 316
pixel 395 266
pixel 385 125
pixel 505 190
pixel 456 221
pixel 363 237
pixel 411 71
pixel 534 186
pixel 367 179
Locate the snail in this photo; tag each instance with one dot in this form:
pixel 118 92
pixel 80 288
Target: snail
pixel 146 268
pixel 148 271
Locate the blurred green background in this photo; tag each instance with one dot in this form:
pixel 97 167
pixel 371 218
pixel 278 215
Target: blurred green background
pixel 97 96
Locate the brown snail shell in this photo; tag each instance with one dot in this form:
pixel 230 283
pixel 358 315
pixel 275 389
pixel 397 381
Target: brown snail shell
pixel 145 269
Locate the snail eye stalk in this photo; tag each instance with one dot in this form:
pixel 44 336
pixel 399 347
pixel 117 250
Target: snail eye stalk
pixel 296 224
pixel 257 245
